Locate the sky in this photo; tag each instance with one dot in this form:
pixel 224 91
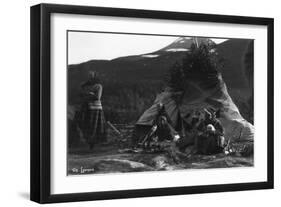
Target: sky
pixel 85 46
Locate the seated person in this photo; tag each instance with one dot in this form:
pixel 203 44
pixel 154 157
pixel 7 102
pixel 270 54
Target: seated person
pixel 210 118
pixel 161 129
pixel 209 142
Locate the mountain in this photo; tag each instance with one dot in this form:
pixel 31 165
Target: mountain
pixel 183 44
pixel 135 80
pixel 136 69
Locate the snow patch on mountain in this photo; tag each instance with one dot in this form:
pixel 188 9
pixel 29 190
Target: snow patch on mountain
pixel 176 50
pixel 182 39
pixel 150 56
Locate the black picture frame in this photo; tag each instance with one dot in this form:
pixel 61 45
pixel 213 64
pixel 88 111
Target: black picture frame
pixel 41 95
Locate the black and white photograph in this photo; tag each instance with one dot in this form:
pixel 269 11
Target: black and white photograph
pixel 131 103
pixel 155 102
pixel 140 103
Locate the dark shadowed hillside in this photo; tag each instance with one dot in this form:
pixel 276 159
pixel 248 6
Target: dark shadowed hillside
pixel 131 83
pixel 233 52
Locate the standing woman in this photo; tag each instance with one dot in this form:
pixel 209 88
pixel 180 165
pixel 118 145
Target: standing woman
pixel 91 119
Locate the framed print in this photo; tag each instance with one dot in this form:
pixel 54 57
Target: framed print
pixel 133 103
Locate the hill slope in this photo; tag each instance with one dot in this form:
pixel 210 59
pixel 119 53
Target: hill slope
pixel 132 82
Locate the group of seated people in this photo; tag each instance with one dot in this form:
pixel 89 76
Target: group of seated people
pixel 204 132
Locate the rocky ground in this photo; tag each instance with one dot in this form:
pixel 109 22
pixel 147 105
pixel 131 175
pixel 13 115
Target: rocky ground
pixel 115 156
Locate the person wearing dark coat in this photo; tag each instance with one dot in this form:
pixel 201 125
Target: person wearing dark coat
pixel 164 129
pixel 208 142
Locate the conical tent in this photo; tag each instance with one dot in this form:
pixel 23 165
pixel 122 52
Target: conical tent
pixel 197 98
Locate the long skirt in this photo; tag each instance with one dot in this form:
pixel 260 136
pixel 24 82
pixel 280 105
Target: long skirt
pixel 92 125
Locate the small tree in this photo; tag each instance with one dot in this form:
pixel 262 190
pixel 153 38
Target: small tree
pixel 200 64
pixel 176 77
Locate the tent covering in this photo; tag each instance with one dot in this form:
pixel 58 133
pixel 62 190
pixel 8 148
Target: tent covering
pixel 197 97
